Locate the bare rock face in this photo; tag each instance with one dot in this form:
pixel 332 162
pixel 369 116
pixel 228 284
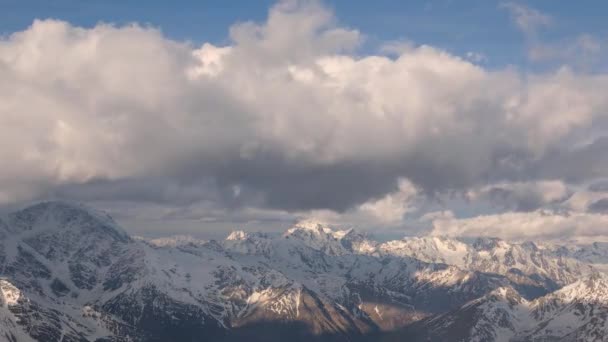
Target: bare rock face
pixel 70 273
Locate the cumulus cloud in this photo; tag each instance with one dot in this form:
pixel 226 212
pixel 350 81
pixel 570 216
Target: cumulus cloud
pixel 290 114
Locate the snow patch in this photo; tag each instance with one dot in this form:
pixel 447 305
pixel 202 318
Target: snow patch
pixel 10 293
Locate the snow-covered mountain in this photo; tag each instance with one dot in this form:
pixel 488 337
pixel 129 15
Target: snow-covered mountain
pixel 70 273
pixel 533 268
pixel 577 312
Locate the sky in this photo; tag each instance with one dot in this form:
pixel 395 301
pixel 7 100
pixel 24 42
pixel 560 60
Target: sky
pixel 461 118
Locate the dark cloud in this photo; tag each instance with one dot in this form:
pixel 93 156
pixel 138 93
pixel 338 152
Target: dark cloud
pixel 600 186
pixel 599 206
pixel 511 200
pixel 574 165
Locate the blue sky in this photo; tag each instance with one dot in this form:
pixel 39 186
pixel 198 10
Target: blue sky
pixel 458 26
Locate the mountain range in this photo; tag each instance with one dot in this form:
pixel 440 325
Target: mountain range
pixel 71 273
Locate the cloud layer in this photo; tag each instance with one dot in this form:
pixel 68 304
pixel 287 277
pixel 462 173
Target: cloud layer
pixel 289 117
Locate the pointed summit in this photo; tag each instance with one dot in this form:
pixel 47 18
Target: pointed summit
pixel 237 235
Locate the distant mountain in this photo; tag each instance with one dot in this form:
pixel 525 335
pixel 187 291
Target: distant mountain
pixel 577 312
pixel 70 273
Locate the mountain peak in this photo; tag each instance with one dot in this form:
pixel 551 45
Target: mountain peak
pixel 241 235
pixel 319 228
pixel 487 243
pixel 507 294
pixel 592 288
pixel 9 293
pixel 60 205
pixel 595 282
pixel 237 235
pixel 318 236
pixel 63 215
pixel 312 225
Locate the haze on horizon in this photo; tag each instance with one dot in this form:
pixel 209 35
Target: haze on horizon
pixel 476 119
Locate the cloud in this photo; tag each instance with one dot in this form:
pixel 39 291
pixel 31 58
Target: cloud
pixel 582 200
pixel 387 212
pixel 599 186
pixel 528 20
pixel 583 50
pixel 522 196
pixel 289 112
pixel 476 57
pixel 295 31
pixel 538 224
pixel 394 206
pixel 599 206
pixel 397 48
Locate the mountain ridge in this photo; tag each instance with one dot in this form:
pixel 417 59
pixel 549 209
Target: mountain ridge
pixel 80 277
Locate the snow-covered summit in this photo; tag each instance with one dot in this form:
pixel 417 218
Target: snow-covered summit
pixel 436 249
pixel 78 272
pixel 9 293
pixel 508 295
pixel 63 216
pixel 256 243
pixel 590 289
pixel 237 235
pixel 319 236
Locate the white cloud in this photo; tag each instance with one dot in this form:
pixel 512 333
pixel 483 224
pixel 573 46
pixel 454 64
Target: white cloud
pixel 476 57
pixel 397 47
pixel 287 101
pixel 582 50
pixel 528 20
pixel 387 211
pixel 392 207
pixel 295 31
pixel 539 224
pixel 583 199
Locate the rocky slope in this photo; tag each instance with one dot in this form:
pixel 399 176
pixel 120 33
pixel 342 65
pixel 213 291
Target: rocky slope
pixel 577 312
pixel 70 273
